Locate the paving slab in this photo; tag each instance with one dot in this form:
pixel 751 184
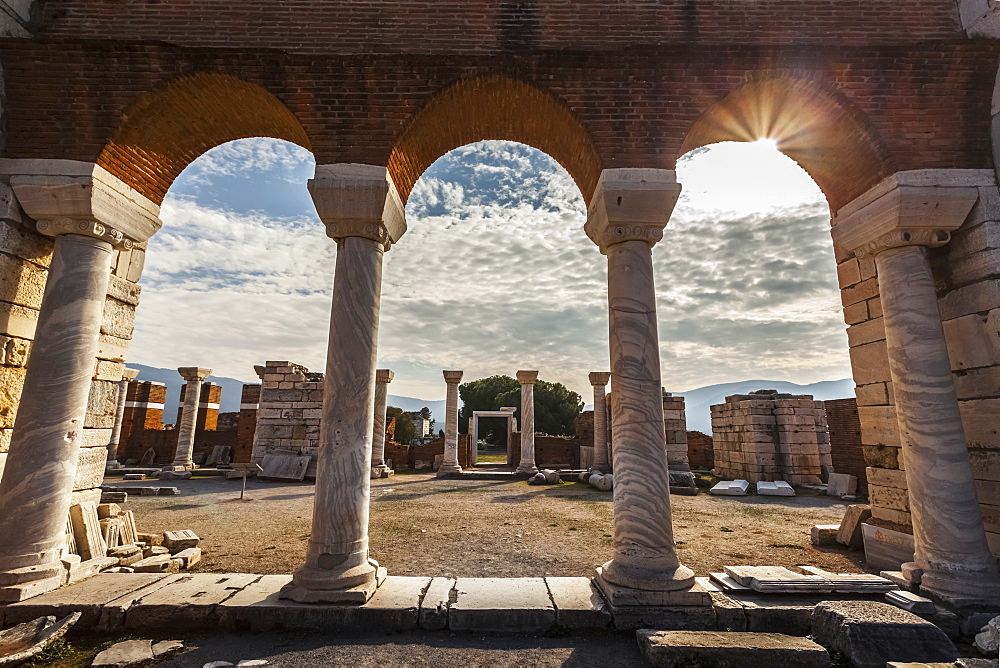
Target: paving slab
pixel 871 633
pixel 434 606
pixel 187 602
pixel 501 604
pixel 86 597
pixel 579 605
pixel 258 607
pixel 682 649
pixel 127 653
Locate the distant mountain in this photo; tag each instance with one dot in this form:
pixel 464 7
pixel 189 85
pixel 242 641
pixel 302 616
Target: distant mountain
pixel 697 401
pixel 232 390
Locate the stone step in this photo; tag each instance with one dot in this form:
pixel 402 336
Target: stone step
pixel 715 648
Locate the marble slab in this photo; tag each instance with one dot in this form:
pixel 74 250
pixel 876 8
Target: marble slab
pixel 284 467
pixel 776 488
pixel 731 488
pixel 885 549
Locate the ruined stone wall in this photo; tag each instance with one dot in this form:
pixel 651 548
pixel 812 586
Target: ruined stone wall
pixel 967 271
pixel 770 436
pixel 246 427
pixel 291 404
pixel 701 455
pixel 675 432
pixel 845 439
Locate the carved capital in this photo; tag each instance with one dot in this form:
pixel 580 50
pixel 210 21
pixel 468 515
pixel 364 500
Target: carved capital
pixel 631 205
pixel 452 377
pixel 384 376
pixel 193 374
pixel 918 208
pixel 600 378
pixel 527 377
pixel 72 197
pixel 358 201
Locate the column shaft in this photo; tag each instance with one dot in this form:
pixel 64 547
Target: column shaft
pixel 378 429
pixel 449 463
pixel 39 474
pixel 527 464
pixel 183 455
pixel 337 567
pixel 116 430
pixel 949 538
pixel 601 462
pixel 644 554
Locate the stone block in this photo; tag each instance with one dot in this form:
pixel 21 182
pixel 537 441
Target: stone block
pixel 870 363
pixel 175 541
pixel 126 653
pixel 871 633
pixel 124 290
pixel 90 465
pixel 681 649
pixel 730 488
pixel 885 549
pixel 434 605
pixel 189 557
pixel 776 488
pixel 11 381
pixel 892 498
pixel 911 602
pixel 970 343
pixel 882 456
pixel 974 298
pixel 160 563
pixel 900 517
pixel 824 534
pixel 879 425
pixel 118 320
pixel 87 530
pixel 578 603
pixel 856 313
pixel 850 527
pixel 979 417
pixel 866 332
pixel 502 604
pixel 174 475
pixel 187 602
pixel 876 394
pixel 886 477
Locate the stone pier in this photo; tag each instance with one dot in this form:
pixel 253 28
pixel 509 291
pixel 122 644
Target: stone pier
pixel 626 218
pixel 449 463
pixel 602 460
pixel 183 455
pixel 527 462
pixel 362 211
pixel 91 214
pixel 382 379
pixel 895 223
pixel 128 375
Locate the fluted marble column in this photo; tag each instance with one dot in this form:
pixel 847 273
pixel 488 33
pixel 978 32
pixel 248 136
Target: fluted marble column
pixel 449 463
pixel 37 484
pixel 626 217
pixel 527 463
pixel 363 212
pixel 188 424
pixel 128 375
pixel 896 223
pixel 382 379
pixel 601 463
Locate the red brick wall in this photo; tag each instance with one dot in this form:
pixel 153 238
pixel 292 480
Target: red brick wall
pixel 550 451
pixel 164 442
pixel 701 455
pixel 845 439
pixel 247 425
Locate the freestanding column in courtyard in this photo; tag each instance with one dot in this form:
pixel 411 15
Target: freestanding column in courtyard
pixel 602 464
pixel 361 210
pixel 627 214
pixel 527 380
pixel 128 375
pixel 896 222
pixel 382 379
pixel 449 462
pixel 38 478
pixel 184 453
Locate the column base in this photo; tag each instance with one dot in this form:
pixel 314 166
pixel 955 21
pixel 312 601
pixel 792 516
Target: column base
pixel 975 591
pixel 687 593
pixel 682 609
pixel 678 578
pixel 180 467
pixel 527 470
pixel 19 584
pixel 381 471
pixel 449 468
pixel 359 593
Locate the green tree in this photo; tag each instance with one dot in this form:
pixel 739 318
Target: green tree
pixel 406 431
pixel 556 406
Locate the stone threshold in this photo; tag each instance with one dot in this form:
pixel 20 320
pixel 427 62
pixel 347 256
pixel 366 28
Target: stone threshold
pixel 148 602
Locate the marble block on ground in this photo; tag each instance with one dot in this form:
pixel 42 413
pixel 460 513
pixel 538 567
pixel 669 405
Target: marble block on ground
pixel 579 605
pixel 911 602
pixel 284 467
pixel 731 488
pixel 776 488
pixel 502 604
pixel 681 649
pixel 824 534
pixel 885 549
pixel 840 484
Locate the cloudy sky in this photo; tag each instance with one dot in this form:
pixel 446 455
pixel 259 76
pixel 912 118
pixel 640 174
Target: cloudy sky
pixel 495 273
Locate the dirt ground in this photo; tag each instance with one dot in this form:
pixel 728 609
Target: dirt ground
pixel 467 528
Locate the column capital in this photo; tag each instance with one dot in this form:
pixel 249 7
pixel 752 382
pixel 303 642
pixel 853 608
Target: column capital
pixel 129 375
pixel 631 204
pixel 384 376
pixel 452 377
pixel 599 378
pixel 527 377
pixel 356 200
pixel 911 208
pixel 194 374
pixel 73 197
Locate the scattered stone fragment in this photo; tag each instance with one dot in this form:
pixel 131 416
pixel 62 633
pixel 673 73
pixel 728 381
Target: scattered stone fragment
pixel 252 662
pixel 988 639
pixel 176 541
pixel 134 476
pixel 871 633
pixel 126 554
pixel 189 557
pixel 154 551
pixel 174 475
pixel 161 563
pixel 907 600
pixel 841 484
pixel 151 538
pixel 128 653
pixel 850 526
pixel 776 488
pixel 217 664
pixel 20 643
pixel 731 488
pixel 824 534
pixel 108 510
pixel 167 647
pixel 681 649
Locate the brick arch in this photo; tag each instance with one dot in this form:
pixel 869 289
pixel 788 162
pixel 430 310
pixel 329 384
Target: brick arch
pixel 814 125
pixel 166 129
pixel 494 107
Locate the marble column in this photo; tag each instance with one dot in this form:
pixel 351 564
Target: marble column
pixel 896 222
pixel 128 375
pixel 601 463
pixel 90 214
pixel 626 217
pixel 188 424
pixel 362 211
pixel 382 379
pixel 527 461
pixel 449 463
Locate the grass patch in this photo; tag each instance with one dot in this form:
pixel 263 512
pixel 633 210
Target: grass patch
pixel 789 546
pixel 726 530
